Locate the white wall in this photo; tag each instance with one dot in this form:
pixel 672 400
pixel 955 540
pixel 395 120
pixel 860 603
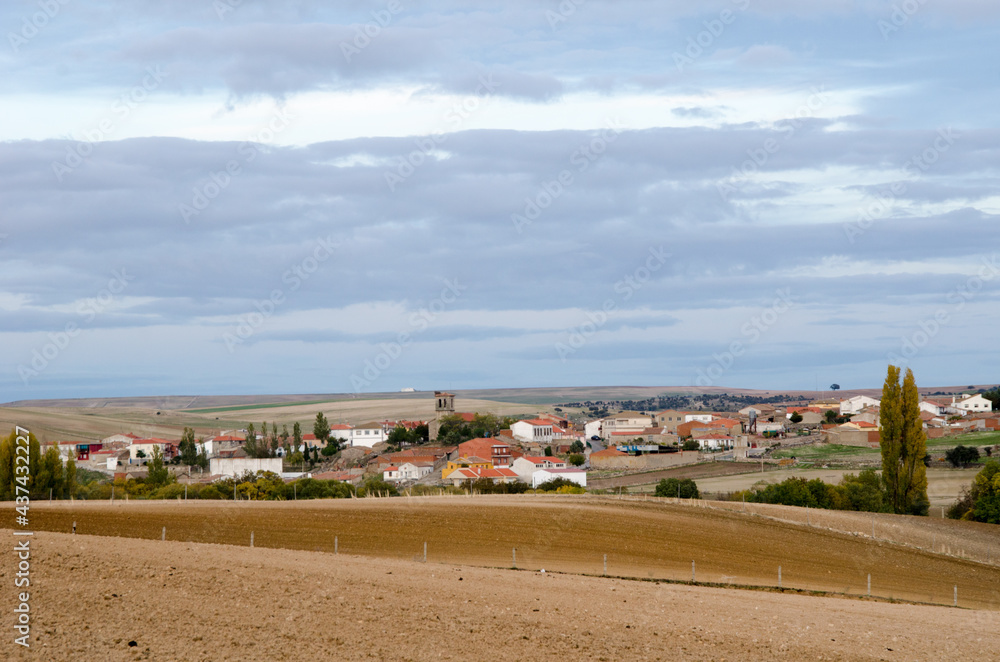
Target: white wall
pixel 544 475
pixel 236 466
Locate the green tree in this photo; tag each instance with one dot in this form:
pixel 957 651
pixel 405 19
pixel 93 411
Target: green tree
pixel 903 444
pixel 962 456
pixel 321 428
pixel 682 489
pixel 50 474
pixel 548 451
pixel 576 447
pixel 250 445
pixel 830 415
pixel 691 445
pixel 576 459
pixel 188 448
pixel 284 435
pixel 7 470
pixel 34 459
pixel 986 494
pixel 796 417
pixel 69 482
pixel 158 475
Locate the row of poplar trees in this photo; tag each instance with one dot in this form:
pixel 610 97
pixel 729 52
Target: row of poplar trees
pixel 904 445
pixel 46 474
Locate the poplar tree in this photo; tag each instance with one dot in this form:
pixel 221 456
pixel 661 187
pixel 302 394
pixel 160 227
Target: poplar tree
pixel 904 445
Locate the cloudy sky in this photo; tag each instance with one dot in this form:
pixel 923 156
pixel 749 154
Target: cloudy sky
pixel 227 197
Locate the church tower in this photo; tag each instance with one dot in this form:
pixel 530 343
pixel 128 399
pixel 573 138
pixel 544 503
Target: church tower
pixel 444 405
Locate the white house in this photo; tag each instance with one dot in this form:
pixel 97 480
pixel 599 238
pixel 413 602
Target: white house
pixel 716 441
pixel 368 435
pixel 578 476
pixel 237 466
pixel 167 448
pixel 526 465
pixel 701 418
pixel 974 404
pixel 938 408
pixel 592 429
pixel 627 421
pixel 341 431
pixel 407 471
pixel 533 430
pixel 856 404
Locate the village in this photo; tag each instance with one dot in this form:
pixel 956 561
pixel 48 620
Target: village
pixel 546 448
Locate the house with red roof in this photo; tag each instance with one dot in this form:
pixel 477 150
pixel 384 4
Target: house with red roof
pixel 496 475
pixel 527 465
pixel 493 449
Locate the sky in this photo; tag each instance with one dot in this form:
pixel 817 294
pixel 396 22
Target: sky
pixel 252 196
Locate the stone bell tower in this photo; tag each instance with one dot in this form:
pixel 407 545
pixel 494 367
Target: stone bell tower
pixel 444 405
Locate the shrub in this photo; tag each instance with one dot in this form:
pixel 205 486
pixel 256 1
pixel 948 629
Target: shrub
pixel 576 459
pixel 556 484
pixel 684 489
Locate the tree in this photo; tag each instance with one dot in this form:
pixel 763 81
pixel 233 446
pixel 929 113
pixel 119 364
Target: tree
pixel 188 448
pixel 576 459
pixel 548 451
pixel 830 415
pixel 69 483
pixel 834 387
pixel 796 417
pixel 321 428
pixel 296 436
pixel 903 444
pixel 962 456
pixel 986 494
pixel 691 445
pixel 681 489
pixel 576 447
pixel 158 475
pixel 7 470
pixel 250 445
pixel 284 435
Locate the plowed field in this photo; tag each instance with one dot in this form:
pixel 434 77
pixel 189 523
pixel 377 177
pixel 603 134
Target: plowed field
pixel 573 535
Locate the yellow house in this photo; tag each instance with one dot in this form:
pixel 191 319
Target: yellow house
pixel 465 463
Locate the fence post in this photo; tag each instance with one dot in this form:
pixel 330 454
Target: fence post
pixel 605 564
pixel 779 576
pixel 869 584
pixel 335 545
pixel 185 492
pixel 513 553
pixel 74 527
pixel 956 595
pixel 163 536
pixel 692 572
pixel 251 538
pixel 425 552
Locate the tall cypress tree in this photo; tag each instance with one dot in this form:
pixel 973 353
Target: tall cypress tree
pixel 914 445
pixel 904 445
pixel 891 435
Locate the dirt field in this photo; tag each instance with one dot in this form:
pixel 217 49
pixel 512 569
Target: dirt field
pixel 92 597
pixel 572 534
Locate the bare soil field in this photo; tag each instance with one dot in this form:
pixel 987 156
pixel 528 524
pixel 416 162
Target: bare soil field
pixel 127 599
pixel 571 534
